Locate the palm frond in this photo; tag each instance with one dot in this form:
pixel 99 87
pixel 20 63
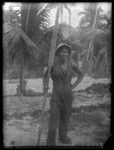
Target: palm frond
pixel 14 33
pixel 27 39
pixel 88 15
pixel 41 8
pixel 12 39
pixel 83 13
pixel 7 27
pixel 35 22
pixel 67 8
pixel 84 52
pixel 100 58
pixel 95 31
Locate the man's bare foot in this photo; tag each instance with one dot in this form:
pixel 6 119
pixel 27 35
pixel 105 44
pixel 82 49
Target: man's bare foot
pixel 66 140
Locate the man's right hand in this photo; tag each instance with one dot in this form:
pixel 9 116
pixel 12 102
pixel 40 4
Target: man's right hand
pixel 45 89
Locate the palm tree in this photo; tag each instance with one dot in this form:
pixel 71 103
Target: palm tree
pixel 88 16
pixel 32 17
pixel 68 9
pixel 62 6
pixel 92 31
pixel 50 63
pixel 45 44
pixel 22 34
pixel 66 6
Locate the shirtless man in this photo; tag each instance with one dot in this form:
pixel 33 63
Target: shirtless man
pixel 61 99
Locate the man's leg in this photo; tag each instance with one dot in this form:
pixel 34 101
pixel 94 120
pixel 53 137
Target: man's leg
pixel 64 122
pixel 53 122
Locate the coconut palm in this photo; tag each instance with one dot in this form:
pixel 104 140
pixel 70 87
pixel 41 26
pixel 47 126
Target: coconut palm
pixel 21 35
pixel 66 6
pixel 50 63
pixel 62 6
pixel 47 37
pixel 88 16
pixel 62 36
pixel 92 31
pixel 45 41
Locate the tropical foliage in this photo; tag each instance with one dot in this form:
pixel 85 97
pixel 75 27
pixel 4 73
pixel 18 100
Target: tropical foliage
pixel 28 36
pixel 22 30
pixel 96 37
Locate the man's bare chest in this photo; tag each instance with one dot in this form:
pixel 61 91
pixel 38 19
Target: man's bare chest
pixel 64 67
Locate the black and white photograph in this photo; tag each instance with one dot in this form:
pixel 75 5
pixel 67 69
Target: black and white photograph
pixel 56 73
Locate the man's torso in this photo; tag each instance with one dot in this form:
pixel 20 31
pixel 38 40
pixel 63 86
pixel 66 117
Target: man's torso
pixel 61 75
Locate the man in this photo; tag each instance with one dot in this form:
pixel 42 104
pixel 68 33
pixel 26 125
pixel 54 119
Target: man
pixel 61 99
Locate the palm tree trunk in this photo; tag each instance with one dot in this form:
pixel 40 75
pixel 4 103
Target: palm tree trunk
pixel 21 69
pixel 93 28
pixel 69 24
pixel 61 11
pixel 26 28
pixel 22 81
pixel 21 76
pixel 68 9
pixel 50 63
pixel 90 50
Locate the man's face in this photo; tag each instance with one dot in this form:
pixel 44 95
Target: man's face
pixel 64 54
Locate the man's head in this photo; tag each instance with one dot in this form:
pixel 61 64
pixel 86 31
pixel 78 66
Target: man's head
pixel 63 51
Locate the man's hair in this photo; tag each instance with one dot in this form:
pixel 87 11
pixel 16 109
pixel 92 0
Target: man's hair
pixel 60 48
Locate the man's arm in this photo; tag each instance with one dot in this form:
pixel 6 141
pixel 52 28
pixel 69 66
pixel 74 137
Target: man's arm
pixel 45 78
pixel 79 73
pixel 45 86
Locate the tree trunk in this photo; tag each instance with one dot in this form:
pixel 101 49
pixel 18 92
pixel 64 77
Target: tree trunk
pixel 68 9
pixel 21 76
pixel 61 11
pixel 69 23
pixel 22 81
pixel 26 28
pixel 90 50
pixel 50 63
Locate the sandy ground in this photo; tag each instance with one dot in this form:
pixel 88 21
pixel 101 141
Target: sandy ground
pixel 86 128
pixel 36 84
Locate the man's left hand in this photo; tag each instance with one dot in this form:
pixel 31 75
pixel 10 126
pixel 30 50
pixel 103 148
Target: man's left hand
pixel 74 85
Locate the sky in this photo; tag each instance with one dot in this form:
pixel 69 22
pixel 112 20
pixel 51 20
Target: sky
pixel 75 18
pixel 74 12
